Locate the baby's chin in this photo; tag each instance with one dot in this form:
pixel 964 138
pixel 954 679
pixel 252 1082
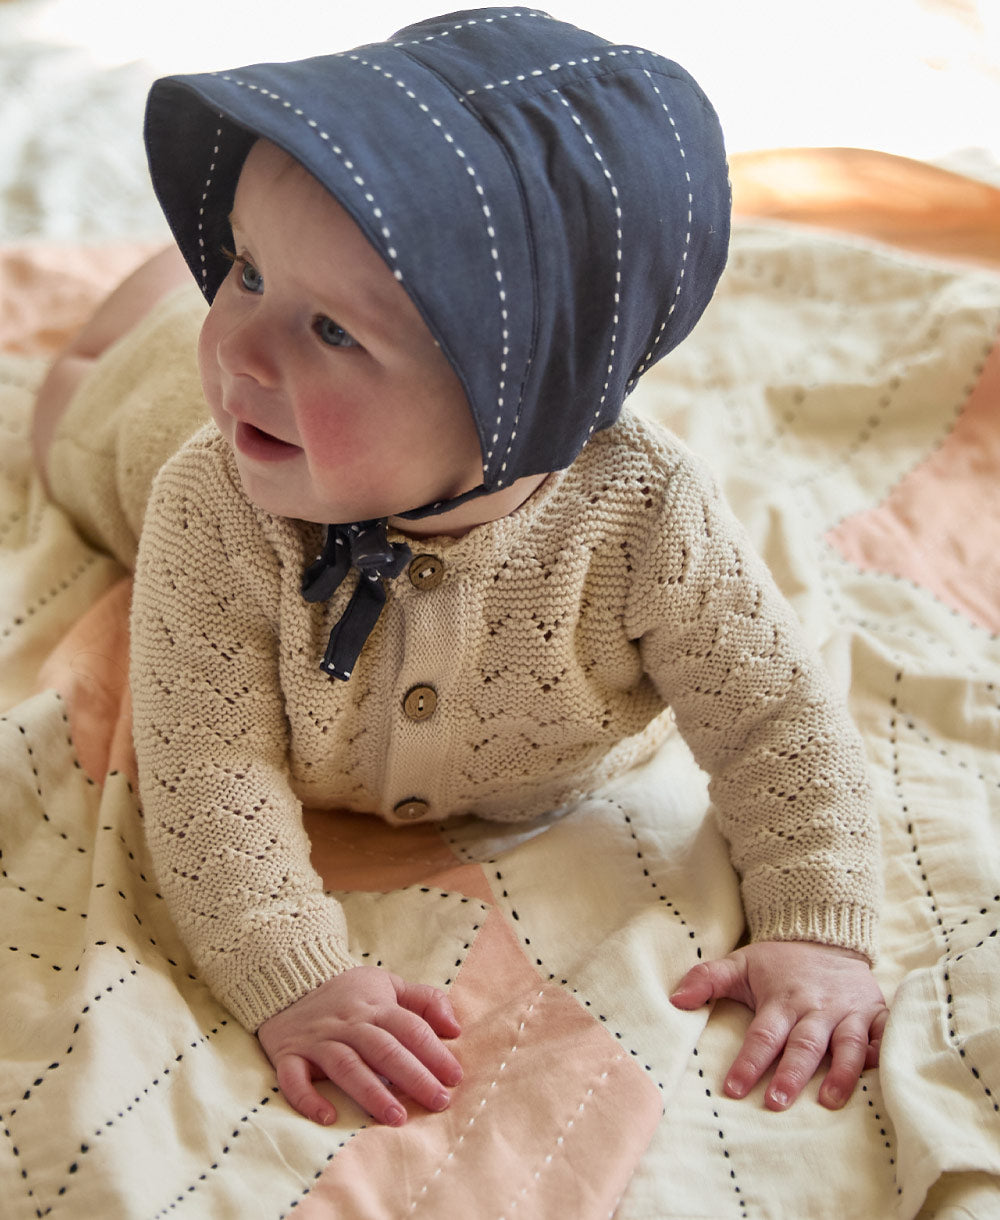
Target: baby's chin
pixel 298 504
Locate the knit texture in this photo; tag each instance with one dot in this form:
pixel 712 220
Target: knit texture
pixel 561 643
pixel 556 641
pixel 137 405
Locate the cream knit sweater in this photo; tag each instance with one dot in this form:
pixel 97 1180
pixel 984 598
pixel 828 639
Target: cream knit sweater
pixel 549 646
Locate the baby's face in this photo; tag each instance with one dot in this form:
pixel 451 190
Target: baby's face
pixel 318 368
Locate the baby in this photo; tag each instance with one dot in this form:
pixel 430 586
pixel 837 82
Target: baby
pixel 422 563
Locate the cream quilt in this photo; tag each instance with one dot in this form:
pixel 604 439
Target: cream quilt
pixel 849 398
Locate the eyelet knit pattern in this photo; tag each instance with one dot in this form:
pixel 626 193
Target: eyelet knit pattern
pixel 561 643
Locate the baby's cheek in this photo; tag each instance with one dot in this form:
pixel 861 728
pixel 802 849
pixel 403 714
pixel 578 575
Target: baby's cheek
pixel 208 366
pixel 333 432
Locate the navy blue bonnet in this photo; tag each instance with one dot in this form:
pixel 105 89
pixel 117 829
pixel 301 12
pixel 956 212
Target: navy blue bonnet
pixel 557 207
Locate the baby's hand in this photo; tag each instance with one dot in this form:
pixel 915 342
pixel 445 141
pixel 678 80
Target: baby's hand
pixel 808 998
pixel 360 1029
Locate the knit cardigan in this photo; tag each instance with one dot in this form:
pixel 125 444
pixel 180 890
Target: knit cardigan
pixel 559 645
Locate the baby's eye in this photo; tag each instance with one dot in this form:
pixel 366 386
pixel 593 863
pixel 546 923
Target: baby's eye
pixel 250 277
pixel 332 334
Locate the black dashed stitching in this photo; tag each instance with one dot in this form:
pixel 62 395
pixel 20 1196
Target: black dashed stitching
pixel 63 586
pixel 307 1190
pixel 654 885
pixel 886 1138
pixel 39 792
pixel 730 1167
pixel 237 1131
pixel 965 393
pixel 565 984
pixel 22 1169
pixel 991 1094
pixel 950 957
pixel 109 989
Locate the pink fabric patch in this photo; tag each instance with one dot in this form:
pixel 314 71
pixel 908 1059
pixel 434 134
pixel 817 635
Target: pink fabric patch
pixel 939 527
pixel 550 1120
pixel 89 669
pixel 356 851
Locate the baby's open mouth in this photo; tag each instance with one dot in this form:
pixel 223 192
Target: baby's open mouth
pixel 254 443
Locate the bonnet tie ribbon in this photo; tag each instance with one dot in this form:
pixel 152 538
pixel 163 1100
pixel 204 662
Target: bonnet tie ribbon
pixel 363 546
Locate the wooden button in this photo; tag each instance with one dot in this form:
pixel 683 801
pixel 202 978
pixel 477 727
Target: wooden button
pixel 426 572
pixel 420 702
pixel 412 810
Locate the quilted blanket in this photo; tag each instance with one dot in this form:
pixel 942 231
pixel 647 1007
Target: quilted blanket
pixel 848 396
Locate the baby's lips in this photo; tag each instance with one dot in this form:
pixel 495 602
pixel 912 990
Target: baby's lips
pixel 258 445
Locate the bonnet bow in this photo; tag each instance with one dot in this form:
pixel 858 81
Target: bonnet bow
pixel 366 547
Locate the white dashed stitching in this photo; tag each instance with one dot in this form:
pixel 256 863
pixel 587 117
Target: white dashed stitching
pixel 648 358
pixel 416 42
pixel 570 63
pixel 618 255
pixel 201 210
pixel 449 1159
pixel 359 181
pixel 558 1148
pixel 494 255
pixel 384 228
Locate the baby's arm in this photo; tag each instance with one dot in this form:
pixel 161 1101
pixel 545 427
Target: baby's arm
pixel 808 999
pixel 791 792
pixel 224 826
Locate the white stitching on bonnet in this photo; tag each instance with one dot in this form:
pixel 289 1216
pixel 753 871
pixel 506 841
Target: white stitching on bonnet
pixel 494 254
pixel 379 216
pixel 416 42
pixel 648 358
pixel 337 151
pixel 570 63
pixel 201 210
pixel 618 254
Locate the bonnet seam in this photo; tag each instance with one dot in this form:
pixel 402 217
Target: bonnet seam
pixel 583 60
pixel 487 216
pixel 616 204
pixel 645 362
pixel 416 42
pixel 201 208
pixel 335 148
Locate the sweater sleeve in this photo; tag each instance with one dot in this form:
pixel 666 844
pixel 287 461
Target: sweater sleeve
pixel 788 775
pixel 224 826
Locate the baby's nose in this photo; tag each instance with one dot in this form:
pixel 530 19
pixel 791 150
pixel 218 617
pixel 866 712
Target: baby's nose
pixel 247 350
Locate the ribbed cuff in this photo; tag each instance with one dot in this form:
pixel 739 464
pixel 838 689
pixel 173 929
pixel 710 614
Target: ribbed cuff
pixel 271 986
pixel 846 926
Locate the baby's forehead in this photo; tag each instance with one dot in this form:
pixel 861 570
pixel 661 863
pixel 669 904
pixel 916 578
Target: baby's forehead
pixel 288 217
pixel 268 171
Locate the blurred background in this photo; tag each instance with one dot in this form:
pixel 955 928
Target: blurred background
pixel 919 78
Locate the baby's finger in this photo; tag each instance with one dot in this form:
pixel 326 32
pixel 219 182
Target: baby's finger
pixel 848 1049
pixel 765 1038
pixel 352 1071
pixel 807 1043
pixel 295 1081
pixel 418 1035
pixel 390 1057
pixel 724 978
pixel 430 1003
pixel 428 1053
pixel 875 1039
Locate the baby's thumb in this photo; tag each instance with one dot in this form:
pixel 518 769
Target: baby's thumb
pixel 721 979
